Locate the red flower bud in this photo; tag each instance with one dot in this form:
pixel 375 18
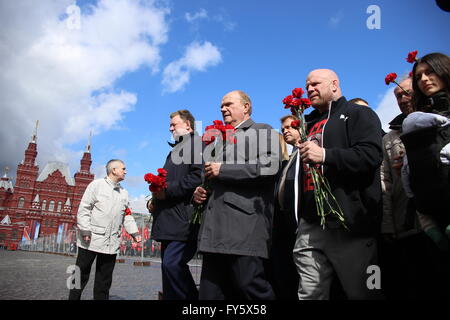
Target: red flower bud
pixel 295 124
pixel 390 78
pixel 297 92
pixel 306 102
pixel 162 172
pixel 287 101
pixel 411 58
pixel 296 102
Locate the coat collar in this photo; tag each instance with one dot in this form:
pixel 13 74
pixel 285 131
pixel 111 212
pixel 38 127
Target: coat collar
pixel 335 106
pixel 396 123
pixel 114 185
pixel 246 124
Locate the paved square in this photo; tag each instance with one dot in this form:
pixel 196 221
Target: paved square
pixel 42 276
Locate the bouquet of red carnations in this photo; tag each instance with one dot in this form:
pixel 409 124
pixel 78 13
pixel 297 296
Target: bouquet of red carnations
pixel 156 183
pixel 322 191
pixel 221 132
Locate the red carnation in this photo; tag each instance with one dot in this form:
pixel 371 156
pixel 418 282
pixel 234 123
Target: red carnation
pixel 411 58
pixel 296 102
pixel 210 134
pixel 218 129
pixel 410 74
pixel 287 101
pixel 128 212
pixel 228 134
pixel 162 172
pixel 157 183
pixel 297 92
pixel 390 78
pixel 306 102
pixel 148 177
pixel 295 124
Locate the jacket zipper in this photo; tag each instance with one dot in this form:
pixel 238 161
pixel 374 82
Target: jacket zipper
pixel 323 136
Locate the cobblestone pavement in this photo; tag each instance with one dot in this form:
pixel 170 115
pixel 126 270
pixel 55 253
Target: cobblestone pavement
pixel 42 276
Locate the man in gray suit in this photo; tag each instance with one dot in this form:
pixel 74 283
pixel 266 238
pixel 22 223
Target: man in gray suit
pixel 235 232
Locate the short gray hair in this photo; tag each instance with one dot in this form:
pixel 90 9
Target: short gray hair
pixel 245 99
pixel 111 165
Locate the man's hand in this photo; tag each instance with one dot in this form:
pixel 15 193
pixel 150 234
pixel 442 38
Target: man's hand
pixel 160 195
pixel 310 152
pixel 87 239
pixel 200 195
pixel 212 169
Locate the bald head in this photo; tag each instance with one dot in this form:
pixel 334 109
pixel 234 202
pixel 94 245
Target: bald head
pixel 323 87
pixel 404 100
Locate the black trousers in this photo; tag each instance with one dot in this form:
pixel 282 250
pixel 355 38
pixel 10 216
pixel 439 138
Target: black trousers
pixel 103 273
pixel 283 274
pixel 232 277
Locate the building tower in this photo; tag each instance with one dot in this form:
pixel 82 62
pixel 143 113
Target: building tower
pixel 84 176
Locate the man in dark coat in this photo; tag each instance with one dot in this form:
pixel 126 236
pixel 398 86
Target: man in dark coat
pixel 284 272
pixel 345 140
pixel 172 209
pixel 235 231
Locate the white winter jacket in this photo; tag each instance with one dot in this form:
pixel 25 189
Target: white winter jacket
pixel 101 215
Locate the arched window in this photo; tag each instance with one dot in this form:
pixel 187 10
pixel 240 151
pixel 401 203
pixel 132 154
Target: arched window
pixel 51 205
pixel 44 204
pixel 21 202
pixel 59 206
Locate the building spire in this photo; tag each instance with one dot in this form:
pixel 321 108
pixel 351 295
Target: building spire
pixel 34 136
pixel 88 146
pixel 6 169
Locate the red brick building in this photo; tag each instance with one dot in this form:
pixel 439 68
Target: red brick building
pixel 42 203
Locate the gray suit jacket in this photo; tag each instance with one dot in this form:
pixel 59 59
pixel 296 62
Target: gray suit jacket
pixel 238 215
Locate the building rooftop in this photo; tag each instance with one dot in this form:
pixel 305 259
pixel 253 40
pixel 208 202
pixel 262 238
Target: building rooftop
pixel 51 167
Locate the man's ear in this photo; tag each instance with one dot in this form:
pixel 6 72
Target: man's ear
pixel 334 85
pixel 246 108
pixel 189 124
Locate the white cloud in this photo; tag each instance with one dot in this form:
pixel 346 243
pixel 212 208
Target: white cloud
pixel 139 204
pixel 227 24
pixel 197 57
pixel 202 14
pixel 65 76
pixel 388 108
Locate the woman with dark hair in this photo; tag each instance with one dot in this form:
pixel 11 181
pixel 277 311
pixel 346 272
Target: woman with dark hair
pixel 426 169
pixel 426 135
pixel 431 84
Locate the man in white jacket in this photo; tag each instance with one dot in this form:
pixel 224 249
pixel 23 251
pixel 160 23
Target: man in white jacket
pixel 101 214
